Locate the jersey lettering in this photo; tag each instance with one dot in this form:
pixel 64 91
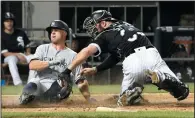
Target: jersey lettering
pixel 135 36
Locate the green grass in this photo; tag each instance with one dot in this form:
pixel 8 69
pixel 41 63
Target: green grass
pixel 95 89
pixel 141 114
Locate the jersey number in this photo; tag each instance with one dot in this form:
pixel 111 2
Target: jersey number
pixel 135 36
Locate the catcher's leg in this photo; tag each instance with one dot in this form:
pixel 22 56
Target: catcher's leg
pixel 132 88
pixel 165 79
pixel 133 80
pixel 27 95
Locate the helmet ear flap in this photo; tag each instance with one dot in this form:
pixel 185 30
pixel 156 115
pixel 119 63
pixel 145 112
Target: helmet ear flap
pixel 49 33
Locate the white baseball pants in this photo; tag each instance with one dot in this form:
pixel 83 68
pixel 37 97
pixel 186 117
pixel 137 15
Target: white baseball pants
pixel 12 64
pixel 135 65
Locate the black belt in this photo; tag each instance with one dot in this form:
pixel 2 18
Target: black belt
pixel 147 47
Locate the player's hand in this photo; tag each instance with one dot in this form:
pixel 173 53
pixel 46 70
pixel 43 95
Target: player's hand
pixel 55 62
pixel 21 57
pixel 88 71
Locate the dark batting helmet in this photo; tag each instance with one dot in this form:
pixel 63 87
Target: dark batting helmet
pixel 96 17
pixel 9 15
pixel 58 24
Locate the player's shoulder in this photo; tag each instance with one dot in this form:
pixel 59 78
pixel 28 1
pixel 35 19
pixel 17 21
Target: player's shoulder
pixel 43 46
pixel 70 51
pixel 19 31
pixel 106 33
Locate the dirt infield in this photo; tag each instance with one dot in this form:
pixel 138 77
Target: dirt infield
pixel 156 101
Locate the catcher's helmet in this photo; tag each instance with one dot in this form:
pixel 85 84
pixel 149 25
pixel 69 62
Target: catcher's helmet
pixel 96 17
pixel 102 15
pixel 58 24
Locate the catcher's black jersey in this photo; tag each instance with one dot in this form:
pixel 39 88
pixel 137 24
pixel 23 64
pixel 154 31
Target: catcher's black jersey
pixel 15 42
pixel 120 39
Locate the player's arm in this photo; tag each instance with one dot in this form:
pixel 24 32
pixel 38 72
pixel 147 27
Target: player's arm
pixel 37 62
pixel 111 61
pixel 95 48
pixel 38 65
pixel 82 56
pixel 108 63
pixel 84 88
pixel 4 50
pixel 26 43
pixel 28 51
pixel 6 54
pixel 81 82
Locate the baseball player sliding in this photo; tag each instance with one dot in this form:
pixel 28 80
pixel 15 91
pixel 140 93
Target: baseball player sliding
pixel 140 58
pixel 49 61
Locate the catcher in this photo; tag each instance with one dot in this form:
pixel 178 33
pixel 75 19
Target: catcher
pixel 48 62
pixel 141 60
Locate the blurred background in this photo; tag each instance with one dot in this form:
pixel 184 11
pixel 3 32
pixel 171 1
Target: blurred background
pixel 168 25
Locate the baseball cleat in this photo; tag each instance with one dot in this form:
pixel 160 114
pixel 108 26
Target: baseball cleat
pixel 153 76
pixel 130 97
pixel 26 98
pixel 185 91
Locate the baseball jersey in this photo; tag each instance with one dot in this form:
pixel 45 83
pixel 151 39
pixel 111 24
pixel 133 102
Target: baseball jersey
pixel 120 39
pixel 47 52
pixel 15 42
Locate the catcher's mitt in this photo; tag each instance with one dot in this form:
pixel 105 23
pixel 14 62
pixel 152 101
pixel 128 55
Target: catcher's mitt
pixel 66 84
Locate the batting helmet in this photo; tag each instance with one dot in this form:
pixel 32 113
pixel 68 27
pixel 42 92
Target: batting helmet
pixel 96 17
pixel 58 24
pixel 9 15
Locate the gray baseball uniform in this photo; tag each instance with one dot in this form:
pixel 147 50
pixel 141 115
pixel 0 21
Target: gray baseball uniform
pixel 46 77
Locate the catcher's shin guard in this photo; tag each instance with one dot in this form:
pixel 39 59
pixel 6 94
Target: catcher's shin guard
pixel 130 97
pixel 27 93
pixel 176 88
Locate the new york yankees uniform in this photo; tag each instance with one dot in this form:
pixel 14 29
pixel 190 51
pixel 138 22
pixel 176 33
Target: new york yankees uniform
pixel 15 43
pixel 128 44
pixel 45 78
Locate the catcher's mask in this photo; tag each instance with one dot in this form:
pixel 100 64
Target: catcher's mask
pixel 89 23
pixel 58 24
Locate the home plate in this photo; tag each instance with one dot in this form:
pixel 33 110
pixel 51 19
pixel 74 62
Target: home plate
pixel 107 109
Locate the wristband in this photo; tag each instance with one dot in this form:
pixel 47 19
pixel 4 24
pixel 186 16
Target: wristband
pixel 95 69
pixel 67 71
